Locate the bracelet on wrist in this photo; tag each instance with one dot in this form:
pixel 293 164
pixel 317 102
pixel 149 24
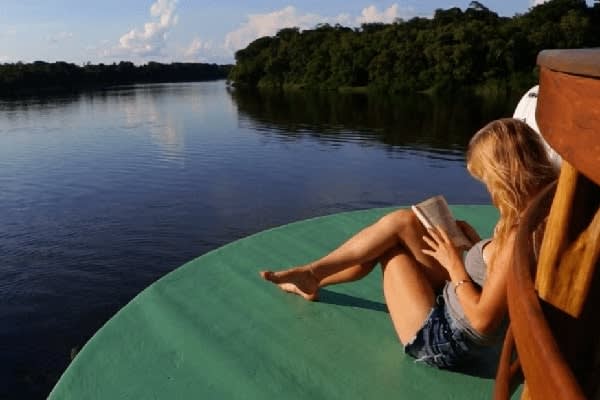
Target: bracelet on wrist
pixel 457 284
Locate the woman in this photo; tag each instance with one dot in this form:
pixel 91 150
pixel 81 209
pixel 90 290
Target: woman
pixel 442 307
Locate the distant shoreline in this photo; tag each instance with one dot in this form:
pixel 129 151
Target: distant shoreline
pixel 59 90
pixel 39 77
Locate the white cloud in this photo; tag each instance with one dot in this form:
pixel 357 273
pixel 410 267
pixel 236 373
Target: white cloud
pixel 152 38
pixel 205 51
pixel 371 14
pixel 258 25
pixel 59 37
pixel 537 2
pixel 196 47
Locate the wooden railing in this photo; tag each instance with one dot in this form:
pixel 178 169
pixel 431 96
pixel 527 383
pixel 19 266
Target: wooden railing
pixel 553 341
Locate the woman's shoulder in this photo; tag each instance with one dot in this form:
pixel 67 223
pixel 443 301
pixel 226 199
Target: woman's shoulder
pixel 501 250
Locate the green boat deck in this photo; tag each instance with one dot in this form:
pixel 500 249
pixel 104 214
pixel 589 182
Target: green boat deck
pixel 212 329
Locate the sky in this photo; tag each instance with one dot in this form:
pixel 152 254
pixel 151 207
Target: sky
pixel 185 30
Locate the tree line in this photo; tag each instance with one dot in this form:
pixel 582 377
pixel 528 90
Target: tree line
pixel 17 78
pixel 454 49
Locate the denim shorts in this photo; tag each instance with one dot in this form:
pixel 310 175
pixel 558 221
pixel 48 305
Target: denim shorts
pixel 439 343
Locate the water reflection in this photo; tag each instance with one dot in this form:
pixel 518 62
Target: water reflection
pixel 406 123
pixel 144 110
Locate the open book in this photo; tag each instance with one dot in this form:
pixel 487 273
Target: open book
pixel 435 211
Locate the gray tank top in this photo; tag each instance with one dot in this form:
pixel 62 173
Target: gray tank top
pixel 477 270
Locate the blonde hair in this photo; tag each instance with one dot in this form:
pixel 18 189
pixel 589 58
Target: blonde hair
pixel 509 157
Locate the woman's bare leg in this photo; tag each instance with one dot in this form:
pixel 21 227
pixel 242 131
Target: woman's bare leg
pixel 399 228
pixel 349 274
pixel 408 293
pixel 303 282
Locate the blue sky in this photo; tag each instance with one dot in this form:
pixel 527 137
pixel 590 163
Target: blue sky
pixel 184 30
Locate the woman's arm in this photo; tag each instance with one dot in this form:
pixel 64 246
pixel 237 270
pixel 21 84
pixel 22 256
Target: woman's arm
pixel 484 307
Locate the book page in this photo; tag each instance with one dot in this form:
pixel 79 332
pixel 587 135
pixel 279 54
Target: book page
pixel 435 211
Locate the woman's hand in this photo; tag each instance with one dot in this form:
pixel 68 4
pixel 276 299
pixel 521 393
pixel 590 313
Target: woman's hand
pixel 469 231
pixel 442 249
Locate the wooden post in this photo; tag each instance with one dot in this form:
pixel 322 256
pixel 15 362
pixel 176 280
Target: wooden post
pixel 569 252
pixel 556 231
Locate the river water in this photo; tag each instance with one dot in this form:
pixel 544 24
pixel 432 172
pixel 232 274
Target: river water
pixel 103 192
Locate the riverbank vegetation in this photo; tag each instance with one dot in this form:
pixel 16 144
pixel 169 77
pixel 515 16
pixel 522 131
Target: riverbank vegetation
pixel 453 50
pixel 39 76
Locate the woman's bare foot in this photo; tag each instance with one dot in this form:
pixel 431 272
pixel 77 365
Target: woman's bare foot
pixel 299 281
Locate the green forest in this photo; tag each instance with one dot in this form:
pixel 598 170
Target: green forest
pixel 40 76
pixel 452 50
